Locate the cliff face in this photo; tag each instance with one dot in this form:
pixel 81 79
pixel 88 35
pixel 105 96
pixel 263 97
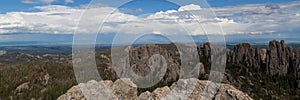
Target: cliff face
pixel 279 56
pixel 297 64
pixel 244 54
pixel 124 89
pixel 141 58
pixel 278 60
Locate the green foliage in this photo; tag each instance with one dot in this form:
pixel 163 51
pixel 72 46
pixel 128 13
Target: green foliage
pixel 260 85
pixel 12 75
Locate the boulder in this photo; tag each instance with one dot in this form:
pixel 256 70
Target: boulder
pixel 72 94
pixel 124 89
pixel 23 87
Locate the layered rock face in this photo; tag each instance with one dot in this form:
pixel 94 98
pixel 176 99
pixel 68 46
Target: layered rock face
pixel 278 60
pixel 124 89
pixel 141 59
pixel 205 51
pixel 297 64
pixel 244 54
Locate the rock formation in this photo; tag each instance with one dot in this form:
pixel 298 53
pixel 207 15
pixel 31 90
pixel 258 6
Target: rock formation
pixel 278 60
pixel 124 89
pixel 2 52
pixel 23 87
pixel 243 54
pixel 140 60
pixel 297 64
pixel 34 80
pixel 205 51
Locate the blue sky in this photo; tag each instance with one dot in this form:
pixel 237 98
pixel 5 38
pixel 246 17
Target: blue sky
pixel 18 5
pixel 54 19
pixel 148 5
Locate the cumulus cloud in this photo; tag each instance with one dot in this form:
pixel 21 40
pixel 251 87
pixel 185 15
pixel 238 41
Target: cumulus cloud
pixel 69 1
pixel 45 1
pixel 38 1
pixel 131 11
pixel 189 19
pixel 28 1
pixel 189 7
pixel 52 19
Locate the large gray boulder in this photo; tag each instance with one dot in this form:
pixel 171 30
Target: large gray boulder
pixel 124 89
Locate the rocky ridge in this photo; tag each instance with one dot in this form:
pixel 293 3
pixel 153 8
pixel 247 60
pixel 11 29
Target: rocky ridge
pixel 275 63
pixel 278 60
pixel 141 58
pixel 124 89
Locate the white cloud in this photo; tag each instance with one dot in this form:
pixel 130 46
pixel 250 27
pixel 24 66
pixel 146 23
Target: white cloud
pixel 246 19
pixel 28 1
pixel 52 19
pixel 189 7
pixel 45 1
pixel 69 1
pixel 131 11
pixel 38 1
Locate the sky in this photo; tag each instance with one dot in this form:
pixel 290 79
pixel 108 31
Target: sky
pixel 151 5
pixel 54 21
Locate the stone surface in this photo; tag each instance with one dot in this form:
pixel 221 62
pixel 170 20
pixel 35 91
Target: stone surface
pixel 2 52
pixel 278 58
pixel 244 54
pixel 263 55
pixel 23 87
pixel 72 94
pixel 124 89
pixel 297 64
pixel 201 69
pixel 142 60
pixel 205 51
